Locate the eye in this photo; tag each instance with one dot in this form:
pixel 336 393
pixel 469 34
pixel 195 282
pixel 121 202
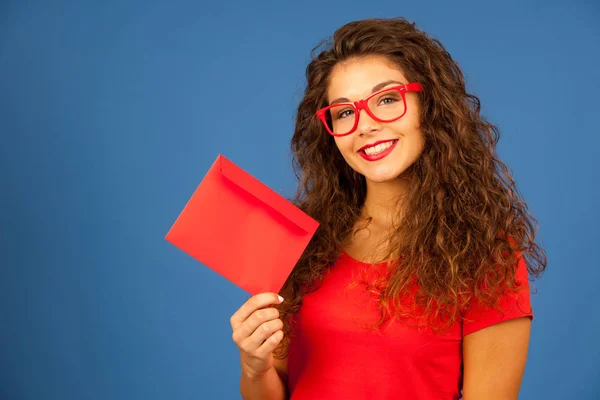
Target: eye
pixel 344 113
pixel 387 100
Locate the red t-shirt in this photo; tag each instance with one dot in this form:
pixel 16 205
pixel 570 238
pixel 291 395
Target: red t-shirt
pixel 332 355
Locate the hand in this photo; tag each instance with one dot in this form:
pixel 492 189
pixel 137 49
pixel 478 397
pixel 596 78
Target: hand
pixel 257 331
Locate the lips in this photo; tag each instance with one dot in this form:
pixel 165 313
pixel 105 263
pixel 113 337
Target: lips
pixel 375 144
pixel 377 156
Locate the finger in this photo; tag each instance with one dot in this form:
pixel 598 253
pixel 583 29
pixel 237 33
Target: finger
pixel 254 303
pixel 261 334
pixel 270 344
pixel 258 317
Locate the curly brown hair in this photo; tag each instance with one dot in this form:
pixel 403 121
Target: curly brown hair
pixel 465 222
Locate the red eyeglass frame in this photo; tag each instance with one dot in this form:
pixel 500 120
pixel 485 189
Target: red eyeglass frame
pixel 363 105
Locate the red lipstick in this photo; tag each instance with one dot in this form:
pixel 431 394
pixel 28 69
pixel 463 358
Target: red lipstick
pixel 377 156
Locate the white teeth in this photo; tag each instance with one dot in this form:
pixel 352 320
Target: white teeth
pixel 378 149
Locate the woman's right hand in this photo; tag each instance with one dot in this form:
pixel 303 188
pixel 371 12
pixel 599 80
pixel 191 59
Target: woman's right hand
pixel 257 331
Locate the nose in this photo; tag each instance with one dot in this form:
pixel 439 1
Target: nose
pixel 366 124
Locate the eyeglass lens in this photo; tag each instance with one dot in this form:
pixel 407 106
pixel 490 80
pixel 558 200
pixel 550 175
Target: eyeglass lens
pixel 386 106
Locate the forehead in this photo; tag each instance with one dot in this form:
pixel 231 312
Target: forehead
pixel 354 78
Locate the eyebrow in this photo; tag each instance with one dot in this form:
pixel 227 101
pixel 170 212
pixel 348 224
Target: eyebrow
pixel 376 88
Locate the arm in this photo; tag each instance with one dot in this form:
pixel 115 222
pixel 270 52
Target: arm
pixel 270 385
pixel 494 360
pixel 257 331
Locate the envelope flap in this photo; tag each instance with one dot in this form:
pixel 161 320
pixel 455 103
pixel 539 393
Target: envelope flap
pixel 266 195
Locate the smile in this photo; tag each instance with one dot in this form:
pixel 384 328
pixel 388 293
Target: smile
pixel 377 152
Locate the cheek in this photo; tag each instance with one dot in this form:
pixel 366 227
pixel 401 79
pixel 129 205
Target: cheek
pixel 344 144
pixel 337 143
pixel 413 139
pixel 419 138
pixel 417 142
pixel 412 118
pixel 410 126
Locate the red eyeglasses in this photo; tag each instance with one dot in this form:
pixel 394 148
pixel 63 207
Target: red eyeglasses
pixel 387 105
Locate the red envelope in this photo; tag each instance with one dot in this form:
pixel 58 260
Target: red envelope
pixel 243 230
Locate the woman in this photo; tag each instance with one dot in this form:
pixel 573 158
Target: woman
pixel 415 285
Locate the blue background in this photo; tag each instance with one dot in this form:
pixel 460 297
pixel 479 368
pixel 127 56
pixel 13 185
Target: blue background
pixel 111 112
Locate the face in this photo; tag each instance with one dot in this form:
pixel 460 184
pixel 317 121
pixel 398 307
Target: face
pixel 400 142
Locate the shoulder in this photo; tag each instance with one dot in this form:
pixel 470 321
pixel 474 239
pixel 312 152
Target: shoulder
pixel 513 301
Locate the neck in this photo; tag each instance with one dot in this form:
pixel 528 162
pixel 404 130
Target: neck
pixel 382 202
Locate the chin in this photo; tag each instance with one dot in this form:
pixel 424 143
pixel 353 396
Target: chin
pixel 381 178
pixel 384 172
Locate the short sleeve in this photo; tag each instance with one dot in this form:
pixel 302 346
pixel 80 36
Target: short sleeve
pixel 512 305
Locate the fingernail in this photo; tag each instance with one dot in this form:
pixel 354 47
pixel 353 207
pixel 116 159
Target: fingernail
pixel 280 299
